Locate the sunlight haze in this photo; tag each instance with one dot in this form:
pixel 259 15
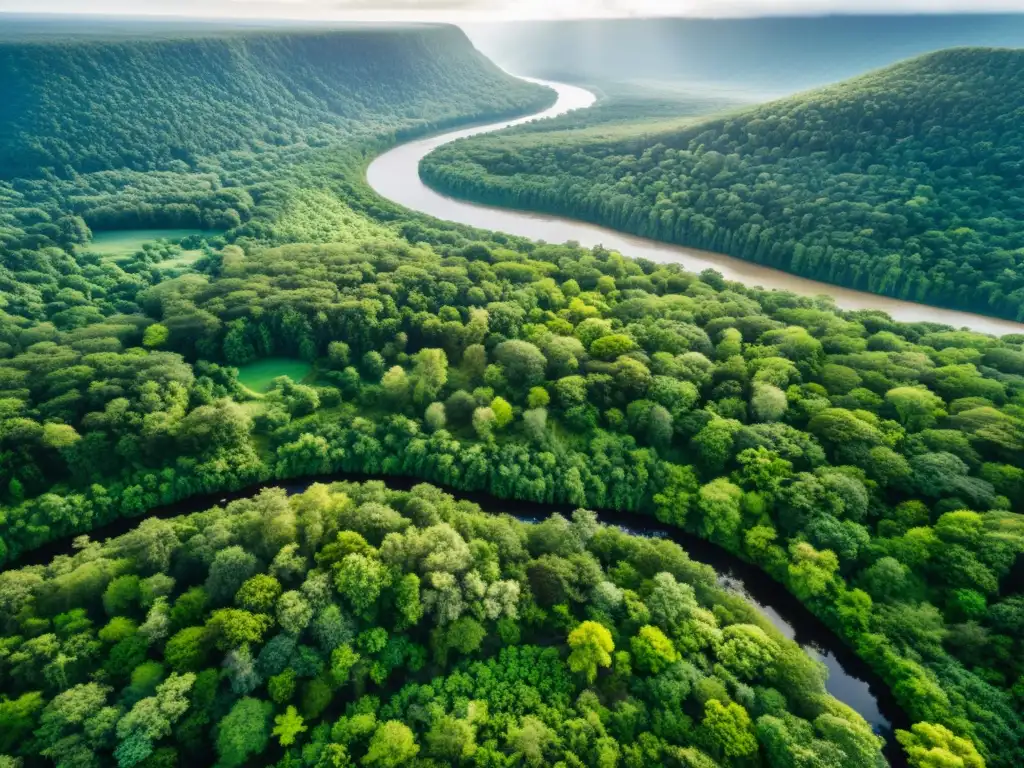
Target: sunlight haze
pixel 483 10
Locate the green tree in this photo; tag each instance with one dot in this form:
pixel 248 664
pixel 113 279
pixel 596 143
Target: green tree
pixel 652 650
pixel 929 745
pixel 727 730
pixel 392 744
pixel 592 647
pixel 288 726
pixel 244 731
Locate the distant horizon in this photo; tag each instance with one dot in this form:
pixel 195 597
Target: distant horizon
pixel 441 11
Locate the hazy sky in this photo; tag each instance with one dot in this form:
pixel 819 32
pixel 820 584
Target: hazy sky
pixel 499 9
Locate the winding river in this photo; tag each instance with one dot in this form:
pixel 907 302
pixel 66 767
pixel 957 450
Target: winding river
pixel 395 176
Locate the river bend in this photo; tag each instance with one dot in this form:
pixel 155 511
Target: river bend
pixel 395 176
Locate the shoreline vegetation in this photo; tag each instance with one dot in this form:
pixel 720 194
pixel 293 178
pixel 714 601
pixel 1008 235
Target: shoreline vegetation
pixel 900 182
pixel 871 467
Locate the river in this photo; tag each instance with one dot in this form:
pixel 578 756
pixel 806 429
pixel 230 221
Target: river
pixel 850 679
pixel 395 176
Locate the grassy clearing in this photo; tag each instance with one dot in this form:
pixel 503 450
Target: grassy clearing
pixel 183 259
pixel 257 376
pixel 125 242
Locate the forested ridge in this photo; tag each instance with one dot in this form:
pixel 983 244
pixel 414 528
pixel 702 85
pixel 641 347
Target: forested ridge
pixel 92 105
pixel 871 467
pixel 255 131
pixel 904 182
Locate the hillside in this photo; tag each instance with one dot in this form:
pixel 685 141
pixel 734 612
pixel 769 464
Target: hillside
pixel 262 133
pixel 99 104
pixel 903 182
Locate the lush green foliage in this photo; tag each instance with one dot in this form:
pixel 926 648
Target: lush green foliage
pixel 835 450
pixel 168 104
pixel 299 619
pixel 870 466
pixel 253 131
pixel 903 182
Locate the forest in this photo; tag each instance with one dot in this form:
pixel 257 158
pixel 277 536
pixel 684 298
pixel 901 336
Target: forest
pixel 356 625
pixel 903 182
pixel 871 467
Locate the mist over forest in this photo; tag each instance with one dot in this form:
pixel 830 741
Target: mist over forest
pixel 751 57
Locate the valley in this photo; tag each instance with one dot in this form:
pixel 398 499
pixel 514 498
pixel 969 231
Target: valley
pixel 304 462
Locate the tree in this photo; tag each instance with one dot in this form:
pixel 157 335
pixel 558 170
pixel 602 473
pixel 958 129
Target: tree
pixel 917 408
pixel 652 650
pixel 392 744
pixel 338 355
pixel 361 580
pixel 343 659
pixel 232 628
pixel 538 397
pixel 768 403
pixel 155 336
pixel 430 373
pixel 535 423
pixel 727 730
pixel 522 362
pixel 151 719
pixel 719 506
pixel 435 417
pixel 258 594
pixel 288 726
pixel 18 718
pixel 484 420
pixel 592 647
pixel 929 745
pixel 530 740
pixel 187 649
pixel 293 612
pixel 244 731
pixel 811 571
pixel 747 651
pixel 451 739
pixel 231 567
pixel 122 595
pixel 396 386
pixel 502 412
pixel 407 601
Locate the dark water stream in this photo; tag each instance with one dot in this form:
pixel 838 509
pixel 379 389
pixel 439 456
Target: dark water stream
pixel 850 679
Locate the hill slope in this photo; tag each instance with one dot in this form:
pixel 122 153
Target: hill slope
pixel 95 104
pixel 903 182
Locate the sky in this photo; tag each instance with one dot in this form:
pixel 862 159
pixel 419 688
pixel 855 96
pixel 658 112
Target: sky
pixel 499 9
pixel 482 10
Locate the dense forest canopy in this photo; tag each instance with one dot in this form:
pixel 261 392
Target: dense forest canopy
pixel 871 467
pixel 356 625
pixel 904 182
pixel 78 106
